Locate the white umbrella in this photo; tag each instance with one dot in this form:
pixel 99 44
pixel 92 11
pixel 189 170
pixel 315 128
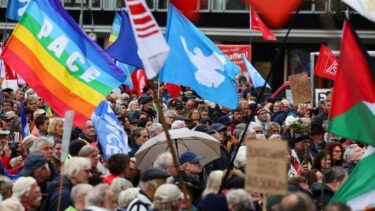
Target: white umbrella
pixel 184 140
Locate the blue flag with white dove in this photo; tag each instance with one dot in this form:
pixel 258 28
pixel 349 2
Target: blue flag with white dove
pixel 16 8
pixel 255 77
pixel 111 135
pixel 195 61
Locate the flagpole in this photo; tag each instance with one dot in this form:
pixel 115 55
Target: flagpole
pixel 81 16
pixel 170 144
pixel 273 69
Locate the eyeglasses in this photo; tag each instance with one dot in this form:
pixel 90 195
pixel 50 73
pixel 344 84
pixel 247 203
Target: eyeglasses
pixel 337 151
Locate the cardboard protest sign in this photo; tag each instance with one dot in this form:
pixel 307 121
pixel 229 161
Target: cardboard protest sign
pixel 301 89
pixel 266 169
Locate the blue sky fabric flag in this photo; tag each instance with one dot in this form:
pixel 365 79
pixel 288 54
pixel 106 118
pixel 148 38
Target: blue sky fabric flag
pixel 125 48
pixel 128 70
pixel 111 135
pixel 16 8
pixel 255 77
pixel 195 61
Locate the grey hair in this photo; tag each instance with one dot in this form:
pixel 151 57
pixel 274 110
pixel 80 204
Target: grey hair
pixel 154 129
pixel 240 160
pixel 87 150
pixel 30 98
pixel 240 200
pixel 26 190
pixel 127 196
pixel 349 152
pixel 272 124
pixel 120 184
pixel 252 125
pixel 275 137
pixel 178 124
pixel 213 182
pixel 76 164
pixel 170 112
pixel 37 143
pixel 164 161
pixel 80 189
pixel 97 195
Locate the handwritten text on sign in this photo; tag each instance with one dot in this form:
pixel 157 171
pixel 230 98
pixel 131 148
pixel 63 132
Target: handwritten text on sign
pixel 266 167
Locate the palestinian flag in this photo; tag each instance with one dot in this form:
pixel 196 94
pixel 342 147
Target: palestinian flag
pixel 352 112
pixel 358 191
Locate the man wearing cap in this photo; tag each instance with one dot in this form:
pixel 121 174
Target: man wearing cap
pixel 317 135
pixel 6 121
pixel 191 175
pixel 26 195
pixel 151 179
pixel 300 158
pixel 146 106
pixel 218 131
pixel 262 118
pixel 167 197
pixel 35 166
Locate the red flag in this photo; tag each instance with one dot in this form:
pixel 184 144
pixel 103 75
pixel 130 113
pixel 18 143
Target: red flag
pixel 327 64
pixel 275 12
pixel 188 8
pixel 173 89
pixel 257 24
pixel 139 81
pixel 9 73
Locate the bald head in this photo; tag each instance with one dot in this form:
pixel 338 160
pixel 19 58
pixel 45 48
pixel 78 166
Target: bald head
pixel 297 201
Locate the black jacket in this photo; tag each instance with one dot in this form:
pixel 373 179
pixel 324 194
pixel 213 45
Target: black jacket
pixel 53 194
pixel 321 194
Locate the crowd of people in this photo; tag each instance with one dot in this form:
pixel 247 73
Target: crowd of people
pixel 33 177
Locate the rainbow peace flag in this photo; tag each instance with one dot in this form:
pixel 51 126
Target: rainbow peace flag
pixel 115 31
pixel 60 62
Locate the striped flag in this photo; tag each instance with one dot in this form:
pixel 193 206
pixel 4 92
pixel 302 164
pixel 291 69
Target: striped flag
pixel 358 191
pixel 60 62
pixel 153 48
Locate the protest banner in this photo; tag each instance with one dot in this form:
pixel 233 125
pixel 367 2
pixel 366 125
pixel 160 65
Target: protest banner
pixel 266 166
pixel 234 52
pixel 301 89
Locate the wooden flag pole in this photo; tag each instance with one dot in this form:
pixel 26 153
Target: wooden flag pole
pixel 170 144
pixel 60 187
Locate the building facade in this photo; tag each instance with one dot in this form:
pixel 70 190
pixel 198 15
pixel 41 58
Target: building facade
pixel 227 22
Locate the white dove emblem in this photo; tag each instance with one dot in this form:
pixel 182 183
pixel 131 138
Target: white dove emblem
pixel 207 66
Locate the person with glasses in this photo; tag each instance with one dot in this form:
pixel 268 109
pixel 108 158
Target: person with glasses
pixel 77 170
pixel 97 168
pixel 336 150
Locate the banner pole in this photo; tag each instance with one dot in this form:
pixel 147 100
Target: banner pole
pixel 170 144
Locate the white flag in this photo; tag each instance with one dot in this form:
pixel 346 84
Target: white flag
pixel 364 7
pixel 152 46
